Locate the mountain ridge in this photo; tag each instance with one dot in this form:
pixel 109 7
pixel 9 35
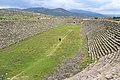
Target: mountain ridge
pixel 92 14
pixel 61 12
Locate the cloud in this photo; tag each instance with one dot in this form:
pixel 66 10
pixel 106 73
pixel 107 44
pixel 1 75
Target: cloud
pixel 112 7
pixel 102 6
pixel 4 7
pixel 15 3
pixel 69 4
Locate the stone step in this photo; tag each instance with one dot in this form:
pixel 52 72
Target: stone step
pixel 116 44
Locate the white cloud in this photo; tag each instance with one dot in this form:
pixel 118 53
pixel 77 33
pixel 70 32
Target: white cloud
pixel 102 6
pixel 1 7
pixel 112 5
pixel 101 1
pixel 67 4
pixel 106 7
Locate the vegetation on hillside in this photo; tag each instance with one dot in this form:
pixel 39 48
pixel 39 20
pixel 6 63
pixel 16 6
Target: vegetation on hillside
pixel 6 14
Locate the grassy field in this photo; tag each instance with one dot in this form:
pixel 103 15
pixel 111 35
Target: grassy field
pixel 37 56
pixel 14 17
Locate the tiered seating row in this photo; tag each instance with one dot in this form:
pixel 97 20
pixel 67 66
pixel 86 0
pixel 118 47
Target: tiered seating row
pixel 104 42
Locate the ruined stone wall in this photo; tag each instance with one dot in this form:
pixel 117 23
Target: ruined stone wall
pixel 12 31
pixel 104 48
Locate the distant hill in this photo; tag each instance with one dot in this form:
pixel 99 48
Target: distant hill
pixel 61 12
pixel 54 12
pixel 7 12
pixel 91 14
pixel 13 8
pixel 112 15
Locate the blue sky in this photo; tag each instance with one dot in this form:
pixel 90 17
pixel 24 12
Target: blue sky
pixel 101 6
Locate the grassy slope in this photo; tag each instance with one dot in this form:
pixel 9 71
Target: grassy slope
pixel 15 17
pixel 37 56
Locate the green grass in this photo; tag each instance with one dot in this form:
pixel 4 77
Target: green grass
pixel 86 57
pixel 37 56
pixel 86 60
pixel 14 17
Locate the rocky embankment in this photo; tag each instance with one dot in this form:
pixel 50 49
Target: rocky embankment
pixel 12 31
pixel 104 47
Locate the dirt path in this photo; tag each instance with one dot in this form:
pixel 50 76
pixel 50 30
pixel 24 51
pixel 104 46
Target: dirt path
pixel 55 47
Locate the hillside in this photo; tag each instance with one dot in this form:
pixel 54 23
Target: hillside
pixel 91 14
pixel 54 12
pixel 63 12
pixel 12 8
pixel 6 12
pixel 17 15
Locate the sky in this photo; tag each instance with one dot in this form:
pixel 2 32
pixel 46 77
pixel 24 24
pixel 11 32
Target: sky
pixel 100 6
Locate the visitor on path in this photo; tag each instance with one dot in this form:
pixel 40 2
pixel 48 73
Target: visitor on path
pixel 59 39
